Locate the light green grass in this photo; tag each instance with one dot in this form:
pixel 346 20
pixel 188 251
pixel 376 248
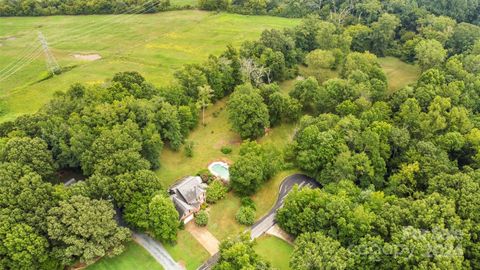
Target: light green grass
pixel 399 73
pixel 134 258
pixel 274 250
pixel 155 45
pixel 183 3
pixel 222 223
pixel 187 251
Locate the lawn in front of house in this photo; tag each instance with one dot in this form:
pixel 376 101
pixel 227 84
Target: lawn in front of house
pixel 134 257
pixel 399 73
pixel 222 223
pixel 187 251
pixel 274 250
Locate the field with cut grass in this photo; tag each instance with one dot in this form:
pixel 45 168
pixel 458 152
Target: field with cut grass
pixel 134 257
pixel 399 73
pixel 155 45
pixel 187 251
pixel 274 250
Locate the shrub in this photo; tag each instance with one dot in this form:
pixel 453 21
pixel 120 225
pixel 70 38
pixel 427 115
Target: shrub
pixel 320 59
pixel 226 150
pixel 245 215
pixel 189 149
pixel 216 191
pixel 206 175
pixel 201 218
pixel 248 202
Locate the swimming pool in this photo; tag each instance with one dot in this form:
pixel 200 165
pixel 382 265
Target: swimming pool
pixel 220 169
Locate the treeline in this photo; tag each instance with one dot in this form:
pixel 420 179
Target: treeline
pixel 79 7
pixel 351 12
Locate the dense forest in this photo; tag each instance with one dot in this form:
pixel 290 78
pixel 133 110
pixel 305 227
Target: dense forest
pixel 400 171
pixel 79 7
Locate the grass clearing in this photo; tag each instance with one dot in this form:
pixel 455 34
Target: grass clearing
pixel 399 73
pixel 134 257
pixel 155 45
pixel 187 251
pixel 274 250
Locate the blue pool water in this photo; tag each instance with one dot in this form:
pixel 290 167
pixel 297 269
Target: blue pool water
pixel 220 170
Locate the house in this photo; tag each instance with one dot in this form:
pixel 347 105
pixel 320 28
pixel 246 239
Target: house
pixel 188 195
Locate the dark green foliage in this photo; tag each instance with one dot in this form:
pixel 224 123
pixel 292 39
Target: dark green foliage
pixel 100 235
pixel 256 165
pixel 245 215
pixel 46 8
pixel 238 253
pixel 163 218
pixel 201 218
pixel 247 113
pixel 226 150
pixel 189 149
pixel 216 191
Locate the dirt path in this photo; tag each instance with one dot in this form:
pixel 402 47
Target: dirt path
pixel 204 237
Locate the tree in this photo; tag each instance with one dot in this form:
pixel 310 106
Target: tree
pixel 205 94
pixel 163 218
pixel 216 191
pixel 430 53
pixel 238 253
pixel 201 218
pixel 383 33
pixel 83 230
pixel 317 251
pixel 30 152
pixel 464 37
pixel 245 215
pixel 320 59
pixel 247 113
pixel 256 165
pixel 25 249
pixel 307 92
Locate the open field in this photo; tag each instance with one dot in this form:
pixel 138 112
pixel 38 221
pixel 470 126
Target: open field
pixel 134 257
pixel 155 45
pixel 399 73
pixel 187 251
pixel 274 250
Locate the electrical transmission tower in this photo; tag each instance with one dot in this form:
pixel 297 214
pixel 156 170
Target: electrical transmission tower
pixel 52 64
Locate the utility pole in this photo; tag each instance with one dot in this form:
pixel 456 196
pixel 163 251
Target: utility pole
pixel 52 64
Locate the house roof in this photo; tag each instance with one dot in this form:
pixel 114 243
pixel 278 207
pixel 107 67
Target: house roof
pixel 190 188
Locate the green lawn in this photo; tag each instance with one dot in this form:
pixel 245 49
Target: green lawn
pixel 187 251
pixel 183 3
pixel 274 250
pixel 134 257
pixel 399 73
pixel 155 45
pixel 222 223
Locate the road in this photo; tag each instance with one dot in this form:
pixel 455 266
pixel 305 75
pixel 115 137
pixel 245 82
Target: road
pixel 268 221
pixel 157 250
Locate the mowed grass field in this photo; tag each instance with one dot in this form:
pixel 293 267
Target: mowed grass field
pixel 155 45
pixel 274 250
pixel 133 258
pixel 399 73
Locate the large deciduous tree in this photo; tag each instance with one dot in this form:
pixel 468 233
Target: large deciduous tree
pixel 247 113
pixel 83 229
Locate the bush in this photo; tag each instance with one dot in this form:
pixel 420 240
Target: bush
pixel 216 191
pixel 248 202
pixel 189 149
pixel 321 59
pixel 245 215
pixel 201 218
pixel 226 150
pixel 206 175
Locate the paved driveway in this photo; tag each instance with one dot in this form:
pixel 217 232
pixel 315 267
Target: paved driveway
pixel 268 221
pixel 204 237
pixel 157 250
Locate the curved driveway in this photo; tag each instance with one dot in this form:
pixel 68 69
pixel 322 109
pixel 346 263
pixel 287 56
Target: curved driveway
pixel 268 221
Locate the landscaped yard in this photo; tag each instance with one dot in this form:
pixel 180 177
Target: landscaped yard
pixel 134 258
pixel 155 45
pixel 274 250
pixel 188 252
pixel 399 73
pixel 222 223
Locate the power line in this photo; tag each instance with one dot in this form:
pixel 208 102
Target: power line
pixel 52 64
